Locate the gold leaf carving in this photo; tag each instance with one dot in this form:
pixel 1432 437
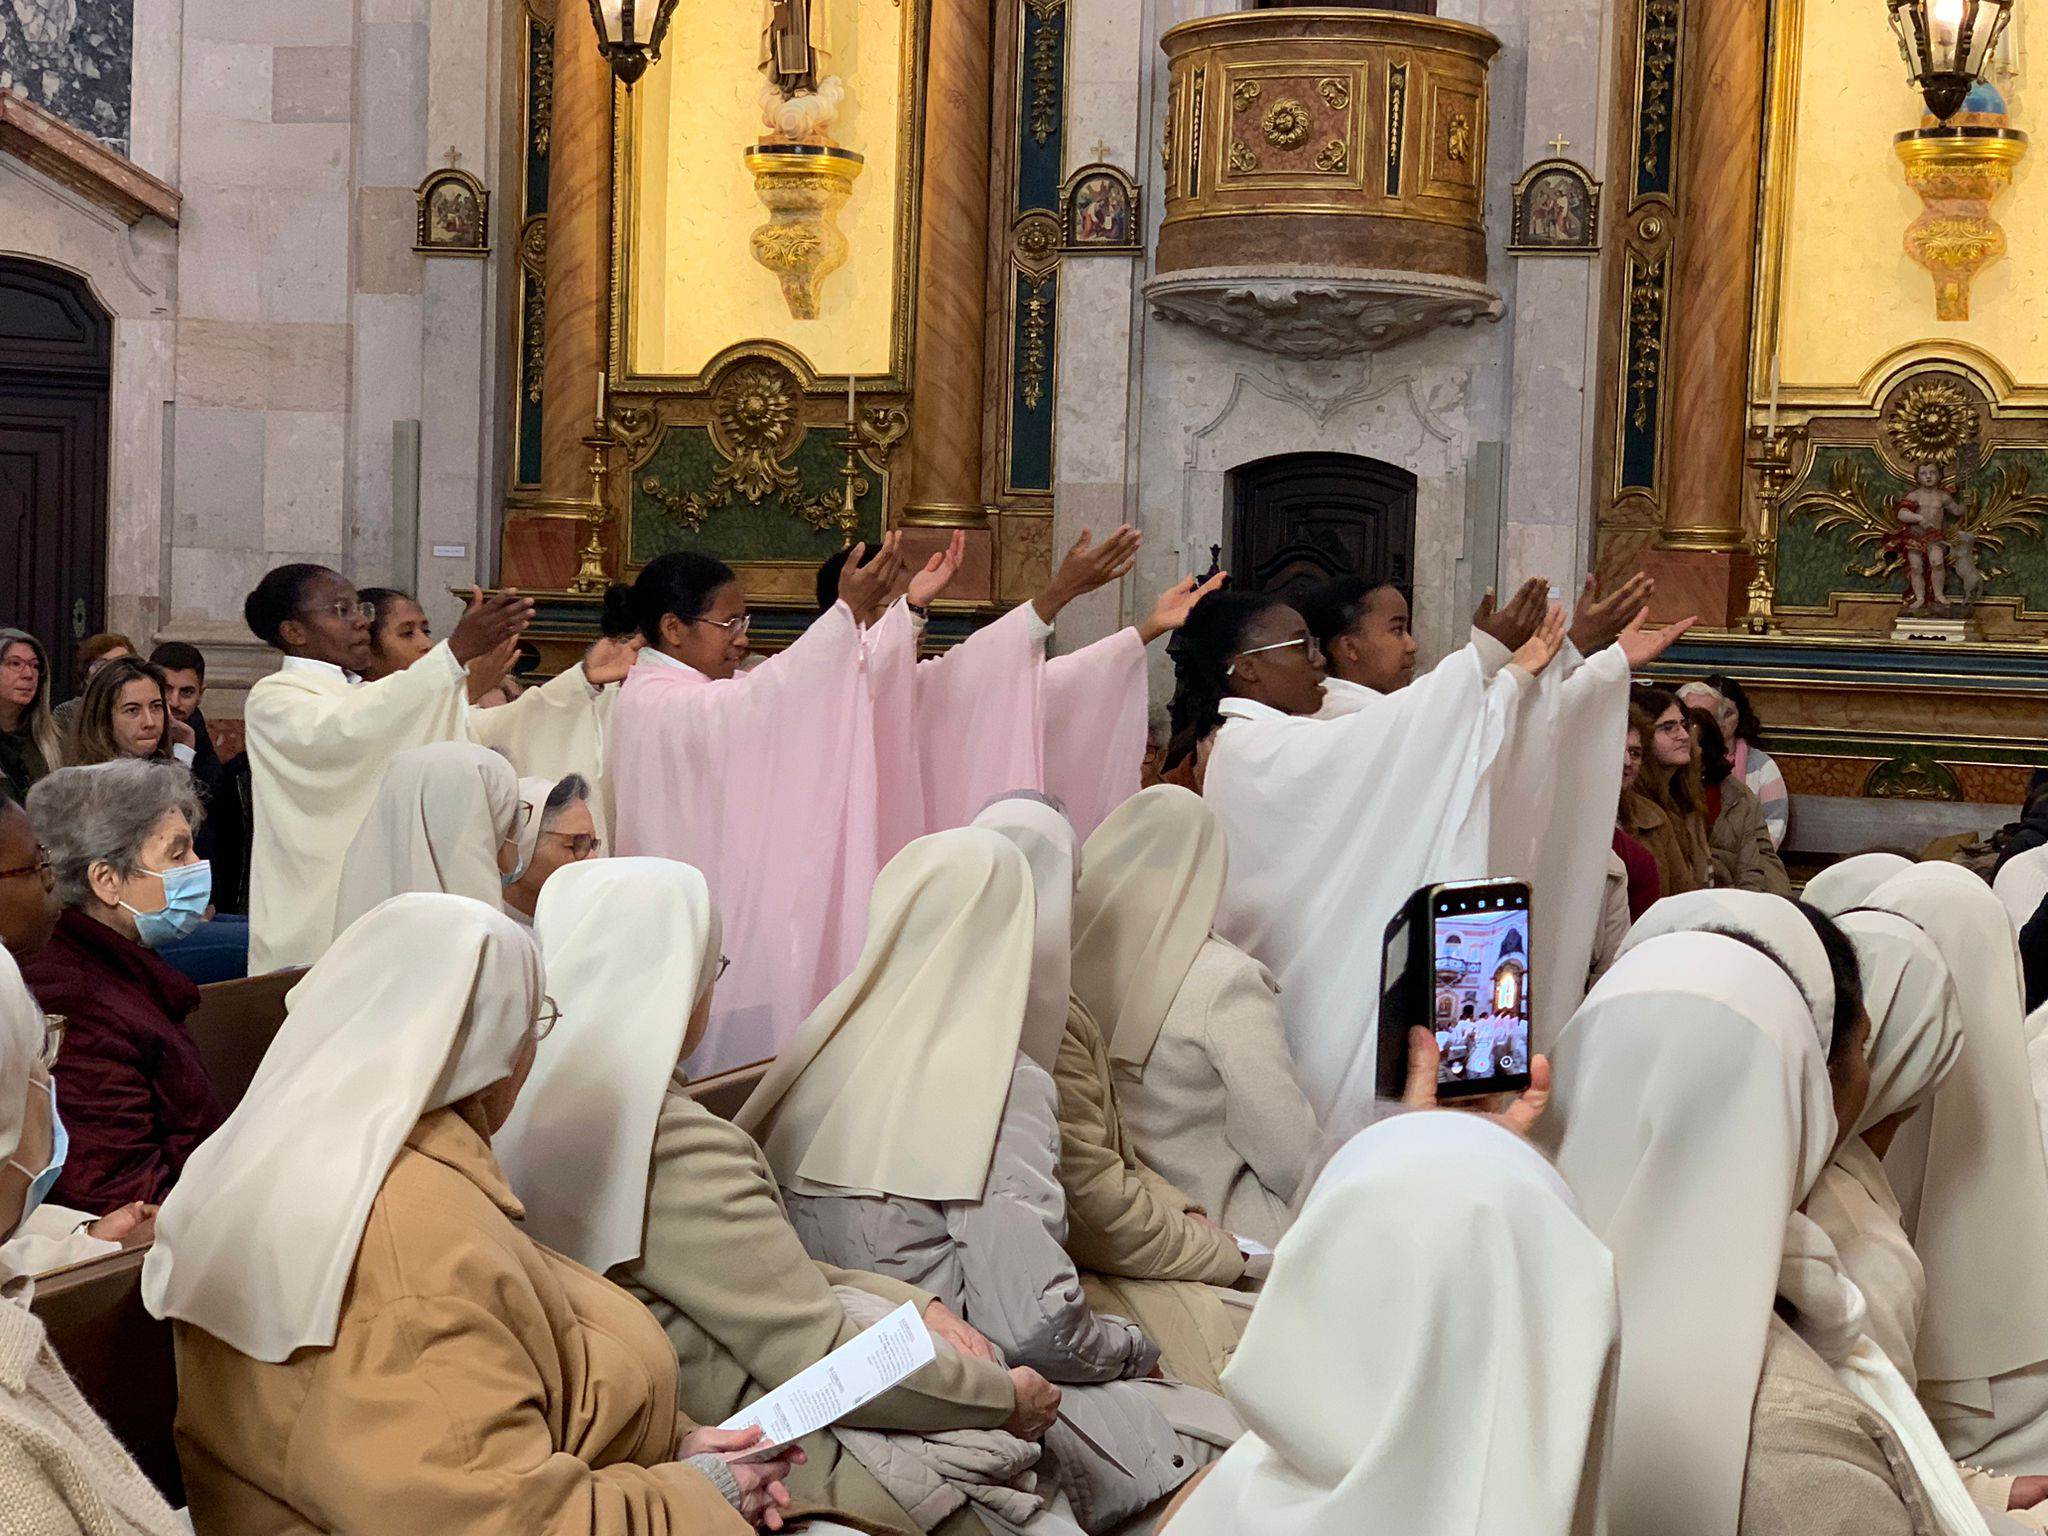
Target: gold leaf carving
pixel 1336 93
pixel 1286 124
pixel 1458 139
pixel 1244 93
pixel 1332 157
pixel 1242 160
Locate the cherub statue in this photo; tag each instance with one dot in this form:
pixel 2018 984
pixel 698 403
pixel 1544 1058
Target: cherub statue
pixel 1922 540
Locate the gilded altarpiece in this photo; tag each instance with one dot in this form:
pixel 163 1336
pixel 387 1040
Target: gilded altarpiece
pixel 1895 502
pixel 728 413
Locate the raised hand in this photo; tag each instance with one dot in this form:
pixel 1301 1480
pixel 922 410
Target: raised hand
pixel 1521 617
pixel 1176 603
pixel 491 669
pixel 1642 645
pixel 1541 648
pixel 1087 567
pixel 938 572
pixel 488 622
pixel 867 588
pixel 1598 622
pixel 609 659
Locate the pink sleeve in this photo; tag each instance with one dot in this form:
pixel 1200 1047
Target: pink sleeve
pixel 1096 707
pixel 979 727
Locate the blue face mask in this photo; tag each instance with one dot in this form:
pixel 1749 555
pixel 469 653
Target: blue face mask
pixel 40 1184
pixel 187 890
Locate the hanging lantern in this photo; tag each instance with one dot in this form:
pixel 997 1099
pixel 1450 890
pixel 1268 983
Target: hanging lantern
pixel 629 33
pixel 1947 46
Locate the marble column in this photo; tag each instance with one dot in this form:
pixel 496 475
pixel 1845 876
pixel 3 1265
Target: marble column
pixel 1720 140
pixel 579 253
pixel 946 405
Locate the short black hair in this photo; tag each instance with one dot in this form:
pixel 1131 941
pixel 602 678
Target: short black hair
pixel 1332 607
pixel 381 599
pixel 277 598
pixel 177 656
pixel 829 573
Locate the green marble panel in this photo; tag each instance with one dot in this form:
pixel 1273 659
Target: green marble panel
pixel 2004 498
pixel 738 531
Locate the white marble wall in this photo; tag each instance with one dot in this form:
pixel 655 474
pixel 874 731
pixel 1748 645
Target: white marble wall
pixel 1154 414
pixel 265 348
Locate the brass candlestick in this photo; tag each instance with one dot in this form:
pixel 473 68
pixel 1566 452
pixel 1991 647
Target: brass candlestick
pixel 591 578
pixel 1772 461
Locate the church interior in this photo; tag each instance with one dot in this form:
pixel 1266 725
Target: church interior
pixel 1445 294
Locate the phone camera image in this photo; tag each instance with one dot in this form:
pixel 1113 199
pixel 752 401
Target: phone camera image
pixel 1482 990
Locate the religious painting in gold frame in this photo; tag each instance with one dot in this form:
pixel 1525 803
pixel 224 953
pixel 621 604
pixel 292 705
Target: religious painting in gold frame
pixel 685 208
pixel 454 217
pixel 1556 210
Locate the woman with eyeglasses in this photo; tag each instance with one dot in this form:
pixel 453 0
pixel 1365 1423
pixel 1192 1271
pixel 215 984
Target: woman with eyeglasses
pixel 366 1338
pixel 1667 809
pixel 1333 821
pixel 556 829
pixel 31 742
pixel 134 1089
pixel 447 817
pixel 28 904
pixel 765 779
pixel 319 739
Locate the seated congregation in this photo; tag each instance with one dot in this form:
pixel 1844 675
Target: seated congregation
pixel 615 1050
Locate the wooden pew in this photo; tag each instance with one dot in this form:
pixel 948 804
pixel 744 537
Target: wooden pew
pixel 119 1355
pixel 724 1092
pixel 234 1025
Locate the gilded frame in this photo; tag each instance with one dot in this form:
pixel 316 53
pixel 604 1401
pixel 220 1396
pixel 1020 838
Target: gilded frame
pixel 910 166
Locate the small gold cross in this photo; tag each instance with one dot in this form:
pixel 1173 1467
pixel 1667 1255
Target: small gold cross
pixel 1560 144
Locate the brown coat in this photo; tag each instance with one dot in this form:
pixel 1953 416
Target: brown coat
pixel 1745 859
pixel 1684 861
pixel 477 1383
pixel 1151 1261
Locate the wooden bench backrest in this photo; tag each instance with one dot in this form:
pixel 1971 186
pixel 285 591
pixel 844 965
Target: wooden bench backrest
pixel 120 1356
pixel 724 1092
pixel 234 1025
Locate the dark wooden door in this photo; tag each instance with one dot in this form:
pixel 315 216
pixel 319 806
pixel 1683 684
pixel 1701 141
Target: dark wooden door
pixel 55 350
pixel 1302 517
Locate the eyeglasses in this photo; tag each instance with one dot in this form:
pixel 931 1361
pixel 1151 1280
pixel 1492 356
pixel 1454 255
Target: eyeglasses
pixel 40 867
pixel 1313 650
pixel 26 663
pixel 735 628
pixel 545 1021
pixel 723 963
pixel 366 611
pixel 1674 728
pixel 582 845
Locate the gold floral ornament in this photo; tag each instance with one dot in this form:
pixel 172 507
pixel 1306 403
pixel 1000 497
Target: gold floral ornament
pixel 1244 93
pixel 1332 157
pixel 1931 420
pixel 755 427
pixel 1336 93
pixel 1458 139
pixel 1286 125
pixel 1242 160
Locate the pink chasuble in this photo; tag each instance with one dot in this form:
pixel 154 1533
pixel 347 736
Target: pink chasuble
pixel 767 783
pixel 993 714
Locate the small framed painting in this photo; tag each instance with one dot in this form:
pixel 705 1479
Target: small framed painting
pixel 454 215
pixel 1100 212
pixel 1557 210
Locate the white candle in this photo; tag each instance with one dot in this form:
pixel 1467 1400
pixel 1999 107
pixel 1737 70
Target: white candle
pixel 1771 430
pixel 851 420
pixel 603 391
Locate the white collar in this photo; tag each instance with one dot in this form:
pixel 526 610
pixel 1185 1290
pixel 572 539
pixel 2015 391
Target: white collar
pixel 1252 709
pixel 663 659
pixel 321 668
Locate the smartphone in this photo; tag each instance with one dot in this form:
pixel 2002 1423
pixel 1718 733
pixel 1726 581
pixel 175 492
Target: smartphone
pixel 1456 962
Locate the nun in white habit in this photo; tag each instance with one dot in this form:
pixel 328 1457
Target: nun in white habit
pixel 1433 1355
pixel 1972 1185
pixel 446 818
pixel 620 1169
pixel 1694 1110
pixel 915 1135
pixel 1850 883
pixel 366 1339
pixel 1205 1083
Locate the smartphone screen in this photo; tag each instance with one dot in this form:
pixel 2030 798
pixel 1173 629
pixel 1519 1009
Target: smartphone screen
pixel 1479 943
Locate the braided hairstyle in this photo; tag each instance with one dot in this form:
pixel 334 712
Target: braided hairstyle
pixel 1202 652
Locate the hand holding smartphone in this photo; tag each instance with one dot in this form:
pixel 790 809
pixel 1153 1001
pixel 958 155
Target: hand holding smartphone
pixel 1456 963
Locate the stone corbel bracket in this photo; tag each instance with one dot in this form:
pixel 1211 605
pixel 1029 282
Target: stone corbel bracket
pixel 1317 312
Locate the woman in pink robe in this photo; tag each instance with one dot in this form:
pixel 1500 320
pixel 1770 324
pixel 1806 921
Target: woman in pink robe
pixel 765 780
pixel 995 714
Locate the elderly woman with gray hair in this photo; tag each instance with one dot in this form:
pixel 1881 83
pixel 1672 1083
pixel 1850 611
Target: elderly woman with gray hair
pixel 556 828
pixel 131 1086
